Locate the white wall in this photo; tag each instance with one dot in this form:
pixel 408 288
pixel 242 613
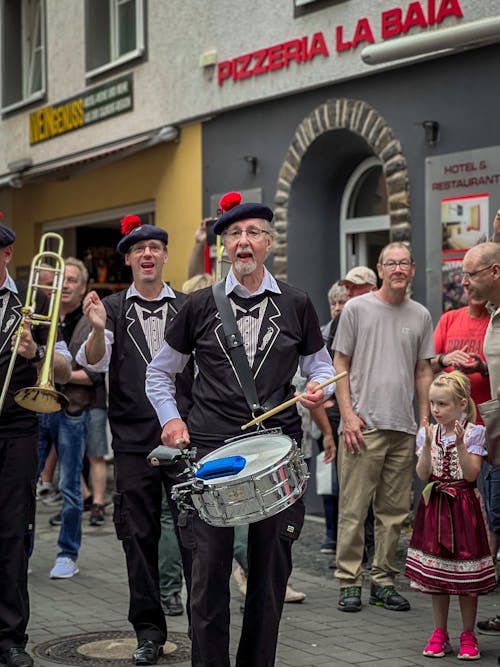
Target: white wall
pixel 169 85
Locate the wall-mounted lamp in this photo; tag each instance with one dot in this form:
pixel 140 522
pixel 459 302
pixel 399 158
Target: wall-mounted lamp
pixel 446 40
pixel 431 131
pixel 253 163
pixel 209 58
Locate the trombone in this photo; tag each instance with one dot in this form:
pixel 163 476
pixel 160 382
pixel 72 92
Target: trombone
pixel 42 397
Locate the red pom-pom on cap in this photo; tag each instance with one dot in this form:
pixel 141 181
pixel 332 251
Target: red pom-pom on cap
pixel 229 201
pixel 130 222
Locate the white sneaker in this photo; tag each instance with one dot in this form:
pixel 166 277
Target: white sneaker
pixel 64 568
pixel 53 498
pixel 241 579
pixel 44 489
pixel 294 596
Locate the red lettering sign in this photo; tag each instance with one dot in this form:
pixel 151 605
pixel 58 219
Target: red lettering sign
pixel 393 23
pixel 272 58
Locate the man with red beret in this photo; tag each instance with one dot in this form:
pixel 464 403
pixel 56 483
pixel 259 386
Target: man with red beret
pixel 128 329
pixel 279 330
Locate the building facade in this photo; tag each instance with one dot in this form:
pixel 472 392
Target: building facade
pixel 358 122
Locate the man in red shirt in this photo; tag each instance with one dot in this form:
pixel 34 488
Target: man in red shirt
pixel 458 340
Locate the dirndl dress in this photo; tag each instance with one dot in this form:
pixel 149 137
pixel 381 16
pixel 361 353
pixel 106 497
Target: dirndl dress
pixel 448 552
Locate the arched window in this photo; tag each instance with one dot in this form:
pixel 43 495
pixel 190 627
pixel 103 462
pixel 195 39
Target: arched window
pixel 364 218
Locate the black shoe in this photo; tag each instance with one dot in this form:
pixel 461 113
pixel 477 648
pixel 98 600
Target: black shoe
pixel 56 520
pixel 16 657
pixel 96 515
pixel 147 652
pixel 172 606
pixel 350 599
pixel 389 598
pixel 490 626
pixel 87 503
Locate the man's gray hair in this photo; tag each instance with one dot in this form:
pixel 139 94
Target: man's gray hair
pixel 336 290
pixel 84 274
pixel 395 244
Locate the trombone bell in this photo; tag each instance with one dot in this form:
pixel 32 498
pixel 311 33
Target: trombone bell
pixel 41 399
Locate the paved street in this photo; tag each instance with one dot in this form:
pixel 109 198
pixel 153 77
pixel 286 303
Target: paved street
pixel 312 633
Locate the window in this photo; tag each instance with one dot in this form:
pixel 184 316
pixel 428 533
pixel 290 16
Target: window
pixel 23 52
pixel 369 194
pixel 364 216
pixel 114 33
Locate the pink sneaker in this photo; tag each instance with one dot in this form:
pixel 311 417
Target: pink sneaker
pixel 438 645
pixel 468 647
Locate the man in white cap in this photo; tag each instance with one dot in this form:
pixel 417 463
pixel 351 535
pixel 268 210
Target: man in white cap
pixel 359 280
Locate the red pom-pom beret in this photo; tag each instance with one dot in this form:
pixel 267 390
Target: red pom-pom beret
pixel 235 211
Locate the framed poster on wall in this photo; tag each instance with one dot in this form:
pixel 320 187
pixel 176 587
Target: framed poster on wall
pixel 464 223
pixel 461 191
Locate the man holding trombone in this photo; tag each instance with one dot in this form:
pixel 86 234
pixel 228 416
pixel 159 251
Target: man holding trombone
pixel 18 453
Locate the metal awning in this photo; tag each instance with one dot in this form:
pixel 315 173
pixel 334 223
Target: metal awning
pixel 88 160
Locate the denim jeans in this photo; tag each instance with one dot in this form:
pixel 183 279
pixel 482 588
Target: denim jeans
pixel 492 496
pixel 68 433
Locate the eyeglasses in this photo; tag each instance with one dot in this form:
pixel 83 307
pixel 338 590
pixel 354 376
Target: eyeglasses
pixel 471 274
pixel 253 233
pixel 153 249
pixel 403 264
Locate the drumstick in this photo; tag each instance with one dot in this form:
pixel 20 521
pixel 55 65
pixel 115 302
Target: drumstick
pixel 291 401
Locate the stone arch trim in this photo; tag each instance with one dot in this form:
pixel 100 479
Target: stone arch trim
pixel 361 118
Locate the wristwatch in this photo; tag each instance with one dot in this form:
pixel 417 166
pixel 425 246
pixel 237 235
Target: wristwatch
pixel 485 372
pixel 441 360
pixel 39 354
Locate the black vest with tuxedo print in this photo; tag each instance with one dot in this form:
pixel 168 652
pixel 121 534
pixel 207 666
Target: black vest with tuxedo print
pixel 136 324
pixel 288 328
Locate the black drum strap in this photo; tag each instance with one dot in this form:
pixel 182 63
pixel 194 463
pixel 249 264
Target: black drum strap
pixel 236 348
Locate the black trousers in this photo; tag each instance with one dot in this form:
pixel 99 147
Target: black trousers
pixel 269 567
pixel 137 511
pixel 18 465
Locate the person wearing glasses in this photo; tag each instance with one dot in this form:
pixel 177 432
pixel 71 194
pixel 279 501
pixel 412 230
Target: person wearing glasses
pixel 385 342
pixel 128 329
pixel 481 278
pixel 280 330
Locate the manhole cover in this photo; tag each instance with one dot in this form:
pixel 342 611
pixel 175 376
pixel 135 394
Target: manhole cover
pixel 111 649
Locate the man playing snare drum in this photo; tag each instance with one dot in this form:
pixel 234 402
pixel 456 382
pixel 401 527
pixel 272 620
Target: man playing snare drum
pixel 280 330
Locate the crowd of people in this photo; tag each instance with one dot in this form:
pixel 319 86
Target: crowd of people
pixel 188 369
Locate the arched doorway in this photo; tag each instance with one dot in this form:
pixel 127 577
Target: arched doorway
pixel 352 122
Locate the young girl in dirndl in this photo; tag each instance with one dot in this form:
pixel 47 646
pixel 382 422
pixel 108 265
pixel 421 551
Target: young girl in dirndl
pixel 448 552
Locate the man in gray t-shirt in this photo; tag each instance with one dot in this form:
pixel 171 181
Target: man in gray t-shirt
pixel 385 342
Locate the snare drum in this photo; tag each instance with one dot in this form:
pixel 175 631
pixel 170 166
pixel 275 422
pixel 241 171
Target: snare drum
pixel 273 478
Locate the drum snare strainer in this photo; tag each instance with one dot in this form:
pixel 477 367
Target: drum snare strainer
pixel 246 480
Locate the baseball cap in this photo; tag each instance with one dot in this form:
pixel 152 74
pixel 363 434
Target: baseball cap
pixel 360 275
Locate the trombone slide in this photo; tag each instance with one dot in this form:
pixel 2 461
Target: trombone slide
pixel 42 397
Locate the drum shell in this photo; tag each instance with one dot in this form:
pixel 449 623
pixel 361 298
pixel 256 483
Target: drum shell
pixel 246 498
